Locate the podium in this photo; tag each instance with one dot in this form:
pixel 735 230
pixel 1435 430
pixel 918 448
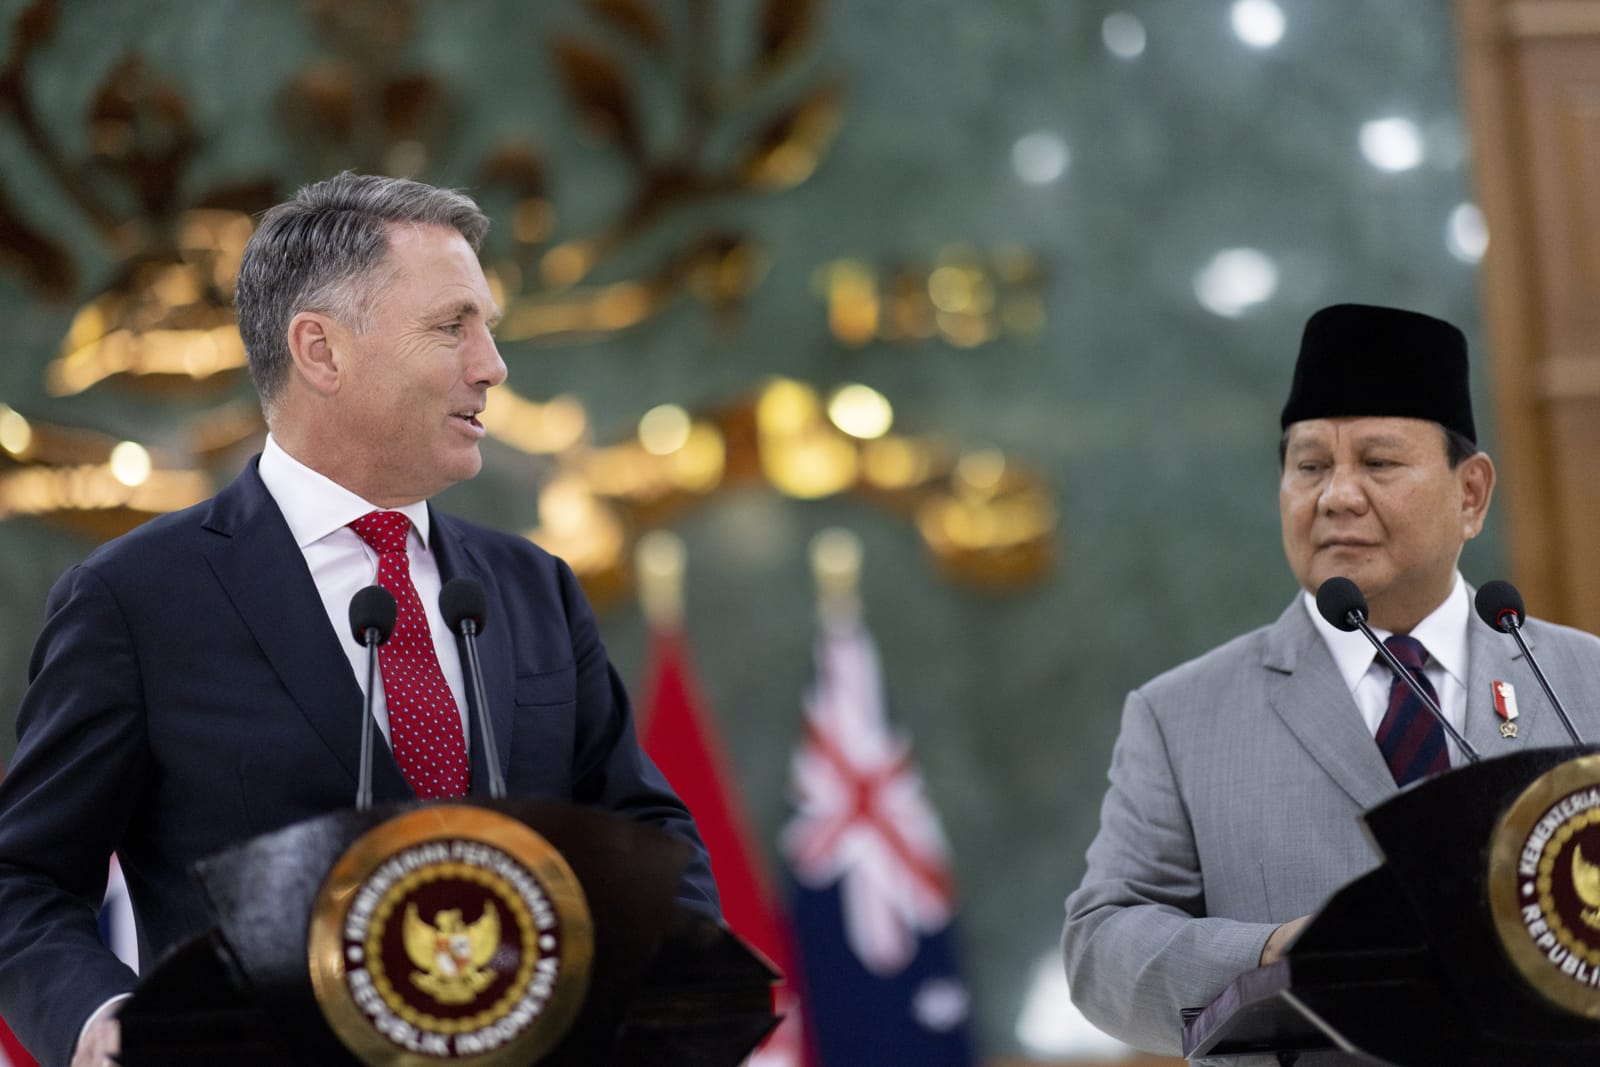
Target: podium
pixel 666 986
pixel 1412 963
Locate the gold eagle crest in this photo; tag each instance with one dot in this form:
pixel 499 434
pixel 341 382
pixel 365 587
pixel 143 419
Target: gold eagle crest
pixel 450 955
pixel 1586 881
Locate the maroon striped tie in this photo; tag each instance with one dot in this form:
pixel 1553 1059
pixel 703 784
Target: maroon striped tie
pixel 1411 739
pixel 424 721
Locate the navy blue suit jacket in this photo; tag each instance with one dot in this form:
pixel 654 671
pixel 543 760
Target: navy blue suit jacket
pixel 187 692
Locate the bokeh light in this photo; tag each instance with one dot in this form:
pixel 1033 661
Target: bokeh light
pixel 130 464
pixel 1123 35
pixel 1235 280
pixel 1258 23
pixel 1391 144
pixel 1040 158
pixel 1466 234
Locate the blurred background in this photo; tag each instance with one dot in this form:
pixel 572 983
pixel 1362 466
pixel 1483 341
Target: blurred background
pixel 1010 292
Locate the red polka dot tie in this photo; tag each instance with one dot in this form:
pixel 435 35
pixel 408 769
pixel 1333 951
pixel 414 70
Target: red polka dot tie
pixel 424 721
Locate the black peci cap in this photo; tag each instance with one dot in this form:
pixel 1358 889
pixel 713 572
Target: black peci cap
pixel 1356 359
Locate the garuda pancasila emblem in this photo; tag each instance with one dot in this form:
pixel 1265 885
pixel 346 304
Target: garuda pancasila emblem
pixel 1586 881
pixel 451 955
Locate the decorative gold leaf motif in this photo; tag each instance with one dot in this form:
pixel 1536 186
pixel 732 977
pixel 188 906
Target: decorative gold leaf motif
pixel 33 255
pixel 601 93
pixel 789 148
pixel 36 24
pixel 635 18
pixel 516 166
pixel 322 100
pixel 785 27
pixel 410 103
pixel 141 133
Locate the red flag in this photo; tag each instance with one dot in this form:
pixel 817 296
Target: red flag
pixel 683 740
pixel 12 1054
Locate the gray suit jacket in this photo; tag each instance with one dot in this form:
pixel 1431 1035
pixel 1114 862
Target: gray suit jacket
pixel 1237 786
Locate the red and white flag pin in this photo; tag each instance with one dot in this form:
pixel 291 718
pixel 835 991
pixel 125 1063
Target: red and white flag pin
pixel 1505 706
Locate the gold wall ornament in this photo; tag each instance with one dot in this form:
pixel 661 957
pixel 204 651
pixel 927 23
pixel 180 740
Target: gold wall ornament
pixel 164 324
pixel 984 517
pixel 1544 886
pixel 450 934
pixel 721 139
pixel 86 481
pixel 965 298
pixel 167 318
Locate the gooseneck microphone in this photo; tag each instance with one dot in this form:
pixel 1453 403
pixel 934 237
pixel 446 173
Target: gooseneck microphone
pixel 1500 605
pixel 461 602
pixel 372 616
pixel 1342 603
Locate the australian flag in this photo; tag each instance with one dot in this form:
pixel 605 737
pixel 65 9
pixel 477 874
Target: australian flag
pixel 873 897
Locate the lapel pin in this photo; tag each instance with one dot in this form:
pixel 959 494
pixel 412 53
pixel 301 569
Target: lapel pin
pixel 1505 706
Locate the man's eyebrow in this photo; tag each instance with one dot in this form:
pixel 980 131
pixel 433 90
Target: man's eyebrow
pixel 469 309
pixel 1382 441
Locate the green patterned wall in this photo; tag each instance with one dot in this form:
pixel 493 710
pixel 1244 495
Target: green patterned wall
pixel 1011 124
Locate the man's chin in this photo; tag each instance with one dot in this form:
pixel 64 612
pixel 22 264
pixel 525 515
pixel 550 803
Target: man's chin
pixel 464 461
pixel 1369 583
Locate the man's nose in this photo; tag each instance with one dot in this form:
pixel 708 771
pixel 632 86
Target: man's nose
pixel 1344 490
pixel 488 369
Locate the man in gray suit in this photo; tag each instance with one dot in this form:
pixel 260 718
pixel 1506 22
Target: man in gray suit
pixel 1238 779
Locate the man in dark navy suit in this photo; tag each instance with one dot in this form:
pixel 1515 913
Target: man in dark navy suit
pixel 194 685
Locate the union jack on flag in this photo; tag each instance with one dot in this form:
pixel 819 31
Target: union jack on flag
pixel 873 896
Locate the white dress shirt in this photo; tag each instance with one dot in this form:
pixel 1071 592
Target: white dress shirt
pixel 318 511
pixel 1443 633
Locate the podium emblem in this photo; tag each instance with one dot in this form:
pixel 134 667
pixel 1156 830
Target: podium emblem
pixel 450 934
pixel 1544 885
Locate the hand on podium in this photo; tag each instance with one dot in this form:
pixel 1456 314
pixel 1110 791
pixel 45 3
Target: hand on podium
pixel 1280 940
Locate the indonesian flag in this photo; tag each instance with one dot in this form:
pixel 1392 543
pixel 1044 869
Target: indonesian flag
pixel 12 1054
pixel 682 739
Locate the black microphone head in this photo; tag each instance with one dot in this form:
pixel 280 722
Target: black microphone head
pixel 1500 605
pixel 462 599
pixel 372 608
pixel 1337 599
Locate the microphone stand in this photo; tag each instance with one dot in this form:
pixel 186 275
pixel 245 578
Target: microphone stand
pixel 491 754
pixel 1509 623
pixel 371 637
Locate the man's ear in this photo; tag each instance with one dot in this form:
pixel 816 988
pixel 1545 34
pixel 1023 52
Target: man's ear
pixel 313 347
pixel 1477 486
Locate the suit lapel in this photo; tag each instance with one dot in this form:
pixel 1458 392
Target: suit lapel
pixel 261 569
pixel 1306 691
pixel 1495 658
pixel 458 558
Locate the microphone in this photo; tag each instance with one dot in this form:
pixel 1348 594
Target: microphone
pixel 372 615
pixel 1342 603
pixel 461 602
pixel 1500 606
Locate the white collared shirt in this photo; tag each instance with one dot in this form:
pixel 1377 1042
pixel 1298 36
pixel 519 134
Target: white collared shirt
pixel 1443 633
pixel 318 511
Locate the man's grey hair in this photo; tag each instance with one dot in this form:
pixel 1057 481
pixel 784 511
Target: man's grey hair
pixel 326 251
